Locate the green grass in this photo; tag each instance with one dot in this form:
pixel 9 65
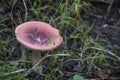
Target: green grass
pixel 55 74
pixel 7 68
pixel 78 42
pixel 2 22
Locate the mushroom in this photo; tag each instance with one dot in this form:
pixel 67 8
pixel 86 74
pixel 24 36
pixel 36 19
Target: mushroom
pixel 38 36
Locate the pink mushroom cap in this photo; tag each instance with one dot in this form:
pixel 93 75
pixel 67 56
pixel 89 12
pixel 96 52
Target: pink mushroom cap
pixel 38 35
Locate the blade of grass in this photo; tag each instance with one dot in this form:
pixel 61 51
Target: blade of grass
pixel 51 39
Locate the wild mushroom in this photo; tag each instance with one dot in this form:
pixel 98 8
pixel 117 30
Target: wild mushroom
pixel 38 36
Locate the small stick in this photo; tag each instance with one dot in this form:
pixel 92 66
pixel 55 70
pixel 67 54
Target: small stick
pixel 46 56
pixel 14 72
pixel 106 51
pixel 109 8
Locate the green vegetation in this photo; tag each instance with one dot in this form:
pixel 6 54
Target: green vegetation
pixel 65 15
pixel 78 77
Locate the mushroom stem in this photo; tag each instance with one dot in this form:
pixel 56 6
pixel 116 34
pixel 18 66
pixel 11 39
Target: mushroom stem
pixel 36 57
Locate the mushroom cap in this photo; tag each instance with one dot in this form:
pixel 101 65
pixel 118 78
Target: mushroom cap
pixel 38 35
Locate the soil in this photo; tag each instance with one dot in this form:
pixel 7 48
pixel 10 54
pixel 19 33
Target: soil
pixel 106 27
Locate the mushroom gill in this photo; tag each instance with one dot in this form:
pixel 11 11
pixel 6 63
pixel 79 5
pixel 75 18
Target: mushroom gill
pixel 37 36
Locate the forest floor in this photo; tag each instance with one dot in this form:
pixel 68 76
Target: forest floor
pixel 91 38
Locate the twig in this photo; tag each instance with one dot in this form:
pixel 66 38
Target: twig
pixel 109 8
pixel 113 54
pixel 46 56
pixel 14 72
pixel 11 16
pixel 61 55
